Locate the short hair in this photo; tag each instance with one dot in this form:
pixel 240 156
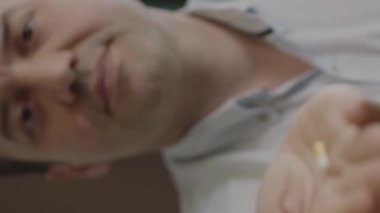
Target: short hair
pixel 15 168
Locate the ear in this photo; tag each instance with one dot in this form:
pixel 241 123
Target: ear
pixel 67 171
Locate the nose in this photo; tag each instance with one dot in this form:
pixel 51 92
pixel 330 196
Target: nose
pixel 53 75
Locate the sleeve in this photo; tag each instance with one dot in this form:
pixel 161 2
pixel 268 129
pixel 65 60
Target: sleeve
pixel 237 14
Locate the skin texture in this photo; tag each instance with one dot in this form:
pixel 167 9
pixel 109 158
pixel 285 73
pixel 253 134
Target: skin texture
pixel 54 77
pixel 61 108
pixel 350 184
pixel 82 85
pixel 82 88
pixel 58 110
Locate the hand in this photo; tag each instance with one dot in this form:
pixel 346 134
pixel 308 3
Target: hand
pixel 350 125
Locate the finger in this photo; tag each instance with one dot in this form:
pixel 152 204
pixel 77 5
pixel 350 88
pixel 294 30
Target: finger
pixel 349 103
pixel 335 111
pixel 358 189
pixel 365 146
pixel 338 99
pixel 357 201
pixel 362 176
pixel 365 113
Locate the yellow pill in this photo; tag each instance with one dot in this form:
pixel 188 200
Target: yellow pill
pixel 320 153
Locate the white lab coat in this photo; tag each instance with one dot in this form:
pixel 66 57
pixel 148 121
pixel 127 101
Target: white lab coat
pixel 217 167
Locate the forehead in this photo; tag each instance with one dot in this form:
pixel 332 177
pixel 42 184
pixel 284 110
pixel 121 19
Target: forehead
pixel 69 5
pixel 8 4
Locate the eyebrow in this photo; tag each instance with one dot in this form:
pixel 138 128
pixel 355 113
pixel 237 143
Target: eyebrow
pixel 6 28
pixel 6 31
pixel 4 121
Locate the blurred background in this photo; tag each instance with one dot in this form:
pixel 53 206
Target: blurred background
pixel 168 4
pixel 139 185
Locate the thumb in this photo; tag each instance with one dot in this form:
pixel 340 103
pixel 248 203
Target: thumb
pixel 348 103
pixel 366 112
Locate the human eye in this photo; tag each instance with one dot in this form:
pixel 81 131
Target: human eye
pixel 25 37
pixel 27 32
pixel 27 120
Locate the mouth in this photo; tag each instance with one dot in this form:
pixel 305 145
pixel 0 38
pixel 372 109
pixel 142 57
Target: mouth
pixel 104 76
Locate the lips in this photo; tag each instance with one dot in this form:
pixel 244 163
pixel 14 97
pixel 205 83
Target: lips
pixel 104 70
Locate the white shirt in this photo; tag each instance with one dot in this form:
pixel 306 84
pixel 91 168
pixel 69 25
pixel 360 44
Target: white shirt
pixel 340 36
pixel 217 167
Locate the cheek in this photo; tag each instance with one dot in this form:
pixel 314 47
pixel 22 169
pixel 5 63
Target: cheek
pixel 84 12
pixel 70 13
pixel 67 22
pixel 57 18
pixel 69 131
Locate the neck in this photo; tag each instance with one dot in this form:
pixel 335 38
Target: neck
pixel 219 63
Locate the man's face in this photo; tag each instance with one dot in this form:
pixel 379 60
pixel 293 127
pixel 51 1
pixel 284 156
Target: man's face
pixel 82 80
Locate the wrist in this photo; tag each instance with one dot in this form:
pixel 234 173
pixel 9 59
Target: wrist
pixel 288 186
